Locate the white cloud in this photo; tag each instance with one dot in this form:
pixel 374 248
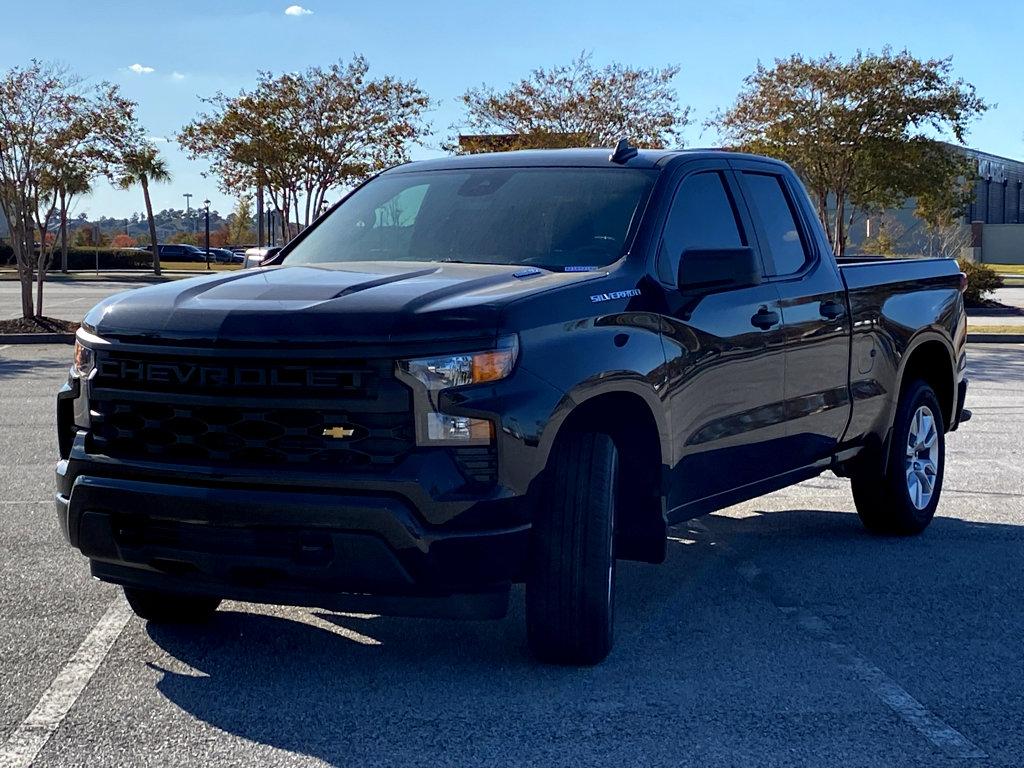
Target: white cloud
pixel 157 139
pixel 177 76
pixel 297 10
pixel 140 69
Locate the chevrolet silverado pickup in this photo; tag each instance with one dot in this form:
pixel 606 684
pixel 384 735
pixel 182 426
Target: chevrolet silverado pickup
pixel 495 369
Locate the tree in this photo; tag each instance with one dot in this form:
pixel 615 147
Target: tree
pixel 55 134
pixel 885 239
pixel 188 238
pixel 219 237
pixel 240 222
pixel 123 241
pixel 859 132
pixel 143 165
pixel 302 134
pixel 576 105
pixel 73 183
pixel 90 236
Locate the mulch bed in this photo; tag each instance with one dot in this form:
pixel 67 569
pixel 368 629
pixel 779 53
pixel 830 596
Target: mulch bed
pixel 992 304
pixel 42 325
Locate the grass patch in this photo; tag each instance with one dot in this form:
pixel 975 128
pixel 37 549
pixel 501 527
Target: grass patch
pixel 981 328
pixel 198 266
pixel 1008 269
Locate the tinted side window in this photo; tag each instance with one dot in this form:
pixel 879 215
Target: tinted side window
pixel 774 209
pixel 702 216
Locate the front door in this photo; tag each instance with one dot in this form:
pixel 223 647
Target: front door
pixel 724 351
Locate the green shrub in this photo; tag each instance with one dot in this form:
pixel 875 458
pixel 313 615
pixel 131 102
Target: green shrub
pixel 981 280
pixel 85 259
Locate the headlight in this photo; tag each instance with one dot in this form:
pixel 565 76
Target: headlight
pixel 446 371
pixel 84 362
pixel 433 375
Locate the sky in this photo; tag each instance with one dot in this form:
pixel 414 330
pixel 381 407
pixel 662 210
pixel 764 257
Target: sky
pixel 168 55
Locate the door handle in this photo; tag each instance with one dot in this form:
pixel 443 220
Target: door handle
pixel 765 318
pixel 832 310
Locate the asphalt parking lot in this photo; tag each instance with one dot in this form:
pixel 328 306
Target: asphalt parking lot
pixel 67 299
pixel 778 632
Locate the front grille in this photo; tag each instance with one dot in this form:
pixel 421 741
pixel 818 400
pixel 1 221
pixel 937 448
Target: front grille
pixel 185 433
pixel 250 412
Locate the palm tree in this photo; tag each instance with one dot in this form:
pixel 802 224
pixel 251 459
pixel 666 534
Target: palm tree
pixel 142 166
pixel 71 184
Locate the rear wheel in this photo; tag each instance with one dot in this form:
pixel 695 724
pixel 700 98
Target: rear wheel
pixel 900 497
pixel 570 587
pixel 170 608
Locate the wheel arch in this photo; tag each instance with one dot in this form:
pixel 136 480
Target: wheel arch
pixel 637 428
pixel 929 357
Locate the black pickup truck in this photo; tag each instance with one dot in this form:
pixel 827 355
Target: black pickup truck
pixel 496 369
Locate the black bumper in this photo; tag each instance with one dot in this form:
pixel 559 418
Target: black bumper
pixel 342 551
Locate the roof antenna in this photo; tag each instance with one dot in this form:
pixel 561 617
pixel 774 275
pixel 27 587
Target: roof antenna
pixel 624 152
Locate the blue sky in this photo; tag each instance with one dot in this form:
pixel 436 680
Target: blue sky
pixel 195 49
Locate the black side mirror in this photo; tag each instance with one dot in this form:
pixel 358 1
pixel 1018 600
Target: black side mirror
pixel 718 269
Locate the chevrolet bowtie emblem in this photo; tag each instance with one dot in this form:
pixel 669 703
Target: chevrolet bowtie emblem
pixel 339 432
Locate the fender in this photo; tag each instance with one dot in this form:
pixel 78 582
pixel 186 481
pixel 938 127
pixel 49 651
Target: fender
pixel 624 355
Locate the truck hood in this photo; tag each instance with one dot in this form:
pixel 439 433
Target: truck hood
pixel 355 302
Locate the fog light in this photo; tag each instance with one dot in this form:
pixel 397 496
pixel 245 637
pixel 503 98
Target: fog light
pixel 467 431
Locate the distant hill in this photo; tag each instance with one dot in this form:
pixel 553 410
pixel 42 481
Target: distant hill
pixel 168 222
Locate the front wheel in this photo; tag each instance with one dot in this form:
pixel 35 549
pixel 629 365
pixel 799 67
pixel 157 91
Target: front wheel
pixel 902 497
pixel 570 587
pixel 170 608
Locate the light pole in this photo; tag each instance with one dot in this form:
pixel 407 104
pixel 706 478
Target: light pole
pixel 206 204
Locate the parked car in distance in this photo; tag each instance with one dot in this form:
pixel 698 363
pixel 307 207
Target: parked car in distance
pixel 552 358
pixel 224 256
pixel 254 257
pixel 179 252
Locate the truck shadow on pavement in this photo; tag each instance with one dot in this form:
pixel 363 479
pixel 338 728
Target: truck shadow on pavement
pixel 706 669
pixel 51 371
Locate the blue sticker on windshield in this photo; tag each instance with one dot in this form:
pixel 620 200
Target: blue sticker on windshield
pixel 581 268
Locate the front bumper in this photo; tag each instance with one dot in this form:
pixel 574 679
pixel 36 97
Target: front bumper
pixel 438 532
pixel 332 549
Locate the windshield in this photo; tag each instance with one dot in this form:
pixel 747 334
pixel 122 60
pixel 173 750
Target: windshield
pixel 556 218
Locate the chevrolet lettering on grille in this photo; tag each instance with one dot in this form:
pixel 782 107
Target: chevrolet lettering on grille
pixel 196 375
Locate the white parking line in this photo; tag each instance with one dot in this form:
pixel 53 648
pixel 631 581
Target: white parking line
pixel 896 698
pixel 32 734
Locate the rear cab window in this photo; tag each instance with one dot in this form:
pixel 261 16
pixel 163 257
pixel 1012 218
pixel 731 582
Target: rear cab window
pixel 772 207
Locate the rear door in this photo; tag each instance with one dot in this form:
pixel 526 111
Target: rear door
pixel 816 320
pixel 724 349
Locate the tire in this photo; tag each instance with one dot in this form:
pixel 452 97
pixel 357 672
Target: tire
pixel 570 585
pixel 898 500
pixel 170 608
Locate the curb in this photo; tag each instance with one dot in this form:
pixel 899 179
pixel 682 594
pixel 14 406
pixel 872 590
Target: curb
pixel 55 338
pixel 983 338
